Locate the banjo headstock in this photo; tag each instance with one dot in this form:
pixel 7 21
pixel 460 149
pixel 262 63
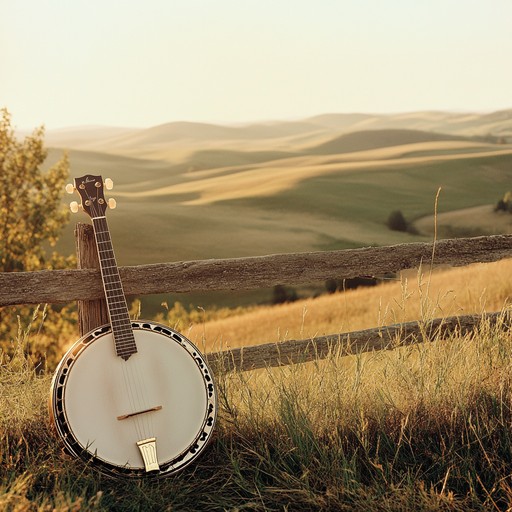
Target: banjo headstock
pixel 91 191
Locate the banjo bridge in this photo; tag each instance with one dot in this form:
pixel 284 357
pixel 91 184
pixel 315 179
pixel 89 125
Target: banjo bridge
pixel 132 414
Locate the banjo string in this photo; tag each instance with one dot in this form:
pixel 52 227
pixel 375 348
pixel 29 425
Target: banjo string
pixel 130 394
pixel 145 421
pixel 133 382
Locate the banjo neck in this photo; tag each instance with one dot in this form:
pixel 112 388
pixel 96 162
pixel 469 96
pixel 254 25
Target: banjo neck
pixel 122 331
pixel 90 189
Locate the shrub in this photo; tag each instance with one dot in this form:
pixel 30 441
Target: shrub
pixel 31 211
pixel 504 204
pixel 396 221
pixel 282 294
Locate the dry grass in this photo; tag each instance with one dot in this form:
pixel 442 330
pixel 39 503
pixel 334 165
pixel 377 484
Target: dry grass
pixel 424 427
pixel 472 289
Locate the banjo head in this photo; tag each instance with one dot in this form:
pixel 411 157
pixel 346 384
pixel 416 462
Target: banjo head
pixel 151 414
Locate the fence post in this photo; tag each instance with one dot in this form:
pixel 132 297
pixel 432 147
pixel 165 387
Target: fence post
pixel 91 313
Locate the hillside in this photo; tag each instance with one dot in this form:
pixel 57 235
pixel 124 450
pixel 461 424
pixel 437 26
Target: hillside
pixel 413 296
pixel 374 139
pixel 198 191
pixel 465 124
pixel 461 124
pixel 420 427
pixel 424 426
pixel 467 222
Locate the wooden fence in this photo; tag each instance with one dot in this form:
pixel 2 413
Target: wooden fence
pixel 84 285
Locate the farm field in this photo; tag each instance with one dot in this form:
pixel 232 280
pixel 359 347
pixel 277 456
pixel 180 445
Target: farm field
pixel 199 191
pixel 189 191
pixel 422 427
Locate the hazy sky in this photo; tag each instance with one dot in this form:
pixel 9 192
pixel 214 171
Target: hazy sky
pixel 146 62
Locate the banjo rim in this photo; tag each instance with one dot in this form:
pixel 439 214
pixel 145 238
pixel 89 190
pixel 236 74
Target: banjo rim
pixel 72 445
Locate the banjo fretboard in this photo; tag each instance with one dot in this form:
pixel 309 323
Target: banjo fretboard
pixel 116 301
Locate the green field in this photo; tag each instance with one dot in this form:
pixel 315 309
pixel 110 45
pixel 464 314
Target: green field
pixel 342 210
pixel 187 191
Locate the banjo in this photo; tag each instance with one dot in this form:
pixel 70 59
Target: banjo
pixel 131 398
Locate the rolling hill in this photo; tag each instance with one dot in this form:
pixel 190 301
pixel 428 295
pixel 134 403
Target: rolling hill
pixel 466 124
pixel 495 124
pixel 198 191
pixel 374 139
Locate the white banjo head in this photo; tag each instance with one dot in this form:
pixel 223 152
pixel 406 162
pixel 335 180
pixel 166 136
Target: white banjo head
pixel 149 415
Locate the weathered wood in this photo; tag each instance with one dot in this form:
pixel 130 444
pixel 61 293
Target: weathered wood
pixel 380 338
pixel 249 273
pixel 91 313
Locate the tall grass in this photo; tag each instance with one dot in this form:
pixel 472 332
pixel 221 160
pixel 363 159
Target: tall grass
pixel 423 427
pixel 412 296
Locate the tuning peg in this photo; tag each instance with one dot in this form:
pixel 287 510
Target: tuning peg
pixel 109 184
pixel 70 188
pixel 112 203
pixel 73 206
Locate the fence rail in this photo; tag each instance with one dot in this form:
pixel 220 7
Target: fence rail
pixel 379 338
pixel 85 286
pixel 60 286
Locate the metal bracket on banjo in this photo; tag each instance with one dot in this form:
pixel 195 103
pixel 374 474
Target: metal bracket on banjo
pixel 147 449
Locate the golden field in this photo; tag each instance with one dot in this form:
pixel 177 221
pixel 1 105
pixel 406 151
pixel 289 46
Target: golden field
pixel 423 427
pixel 416 295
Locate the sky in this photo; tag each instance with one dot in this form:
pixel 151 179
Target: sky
pixel 143 63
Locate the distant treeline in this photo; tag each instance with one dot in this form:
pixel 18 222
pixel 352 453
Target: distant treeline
pixel 282 294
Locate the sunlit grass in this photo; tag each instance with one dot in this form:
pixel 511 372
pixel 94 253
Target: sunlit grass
pixel 413 296
pixel 423 427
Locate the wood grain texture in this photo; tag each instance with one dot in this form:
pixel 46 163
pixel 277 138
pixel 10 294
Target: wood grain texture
pixel 91 313
pixel 380 338
pixel 58 286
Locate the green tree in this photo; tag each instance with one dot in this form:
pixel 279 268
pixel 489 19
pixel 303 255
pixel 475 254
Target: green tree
pixel 31 211
pixel 505 203
pixel 282 294
pixel 396 221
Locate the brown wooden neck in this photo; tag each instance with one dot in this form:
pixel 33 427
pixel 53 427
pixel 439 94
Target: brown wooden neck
pixel 116 301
